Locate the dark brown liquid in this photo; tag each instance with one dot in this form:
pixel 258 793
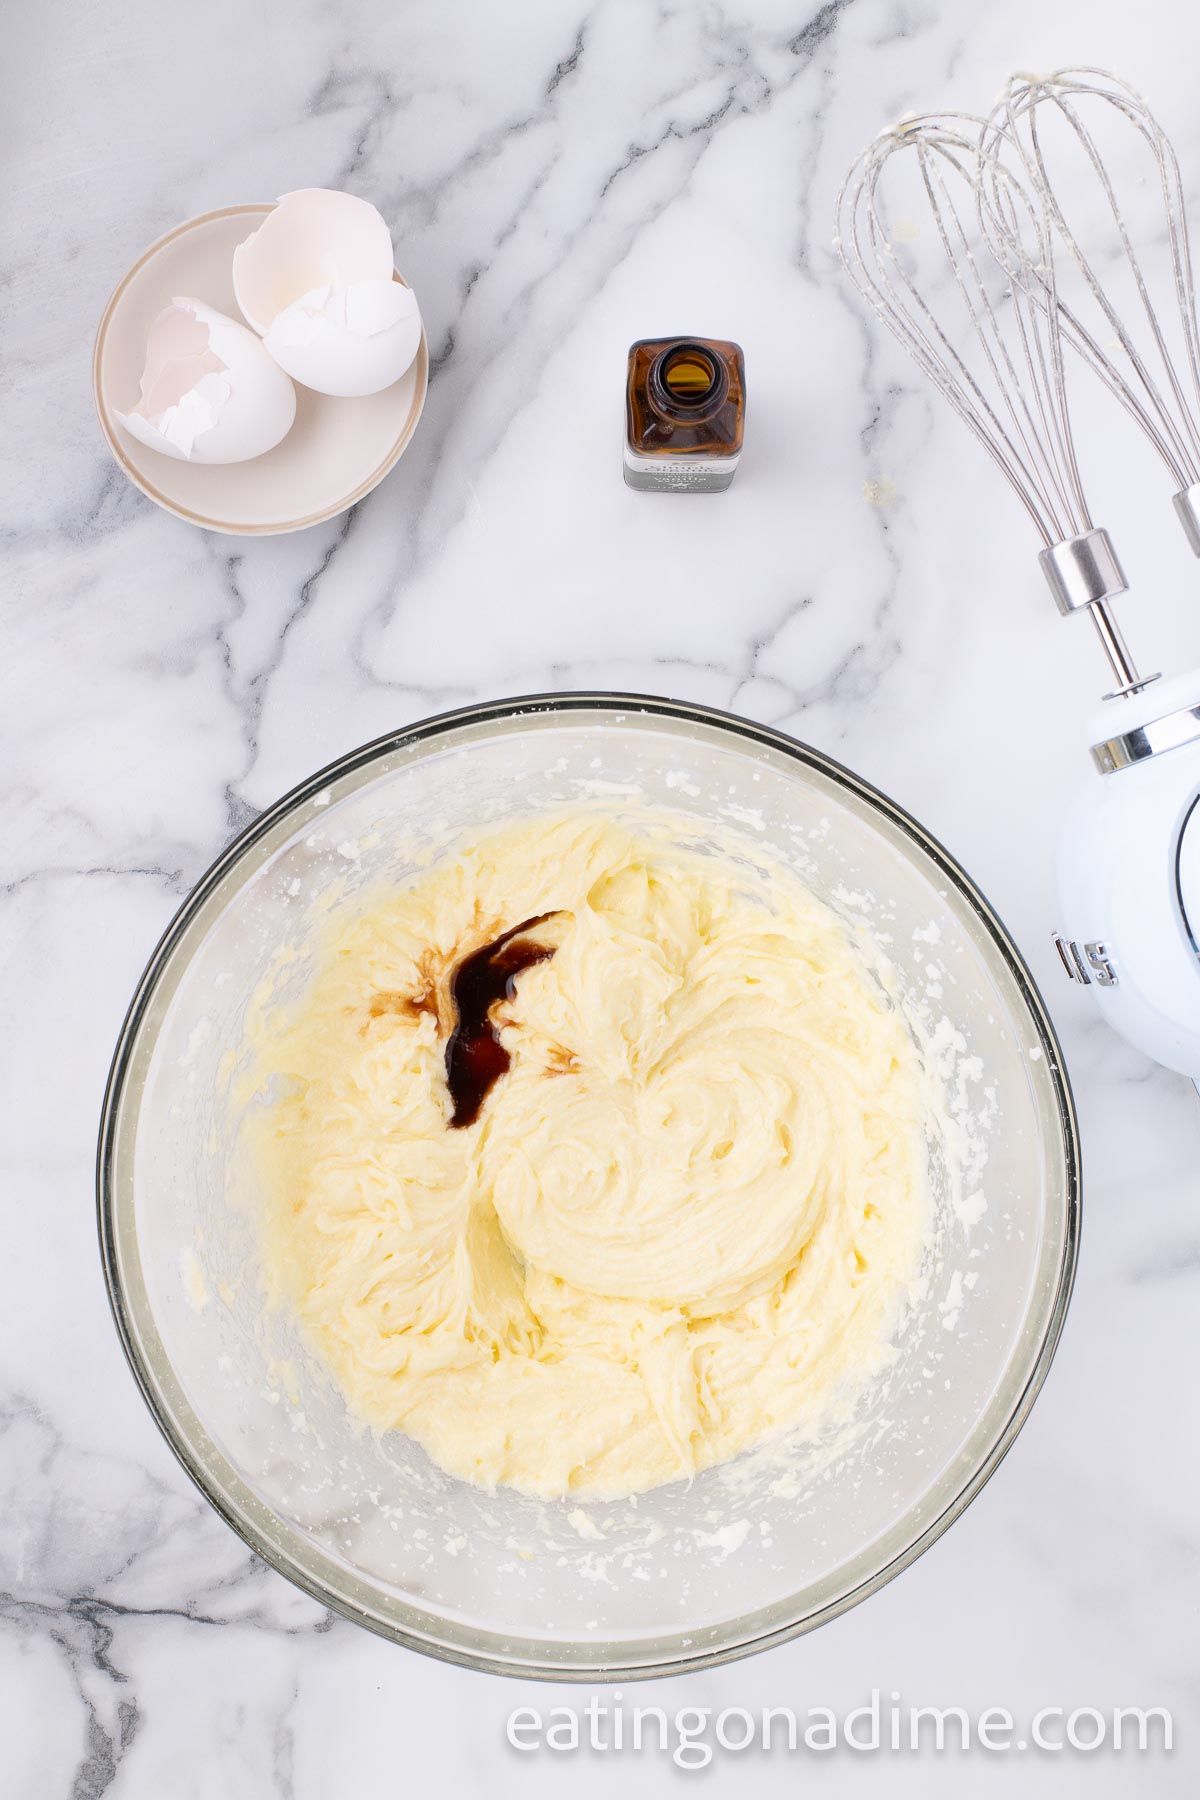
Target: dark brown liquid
pixel 475 1057
pixel 688 376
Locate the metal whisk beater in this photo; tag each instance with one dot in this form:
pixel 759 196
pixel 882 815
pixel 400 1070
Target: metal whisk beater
pixel 1087 145
pixel 995 351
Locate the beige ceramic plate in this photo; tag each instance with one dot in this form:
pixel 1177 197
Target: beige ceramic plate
pixel 336 451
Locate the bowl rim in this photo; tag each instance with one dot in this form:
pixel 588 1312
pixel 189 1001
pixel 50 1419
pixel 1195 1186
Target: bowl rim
pixel 538 1663
pixel 249 209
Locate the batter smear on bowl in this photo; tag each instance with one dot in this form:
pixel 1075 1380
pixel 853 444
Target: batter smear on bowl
pixel 590 1199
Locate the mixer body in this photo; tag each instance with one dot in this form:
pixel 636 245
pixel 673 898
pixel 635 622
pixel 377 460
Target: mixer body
pixel 1129 881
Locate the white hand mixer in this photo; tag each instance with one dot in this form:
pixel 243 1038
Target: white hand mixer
pixel 1129 866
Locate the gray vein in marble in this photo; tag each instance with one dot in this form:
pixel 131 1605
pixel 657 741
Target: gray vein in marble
pixel 249 702
pixel 176 881
pixel 1169 1264
pixel 38 1549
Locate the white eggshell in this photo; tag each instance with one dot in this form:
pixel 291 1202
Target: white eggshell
pixel 210 393
pixel 357 341
pixel 316 280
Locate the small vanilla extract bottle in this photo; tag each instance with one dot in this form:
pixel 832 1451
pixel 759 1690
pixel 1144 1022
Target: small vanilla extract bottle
pixel 685 411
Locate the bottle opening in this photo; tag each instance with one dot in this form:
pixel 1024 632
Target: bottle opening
pixel 687 376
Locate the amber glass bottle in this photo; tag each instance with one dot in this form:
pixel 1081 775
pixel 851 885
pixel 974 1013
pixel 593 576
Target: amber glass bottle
pixel 685 410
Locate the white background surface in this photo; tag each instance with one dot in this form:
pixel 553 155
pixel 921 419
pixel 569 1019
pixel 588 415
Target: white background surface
pixel 559 182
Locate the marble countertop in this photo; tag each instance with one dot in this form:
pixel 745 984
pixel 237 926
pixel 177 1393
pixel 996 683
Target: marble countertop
pixel 563 179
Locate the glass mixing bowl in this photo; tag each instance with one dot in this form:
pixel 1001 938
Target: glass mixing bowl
pixel 691 1574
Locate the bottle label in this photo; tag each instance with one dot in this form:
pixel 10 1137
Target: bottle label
pixel 680 471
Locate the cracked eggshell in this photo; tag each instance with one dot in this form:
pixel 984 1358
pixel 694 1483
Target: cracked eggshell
pixel 210 393
pixel 316 280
